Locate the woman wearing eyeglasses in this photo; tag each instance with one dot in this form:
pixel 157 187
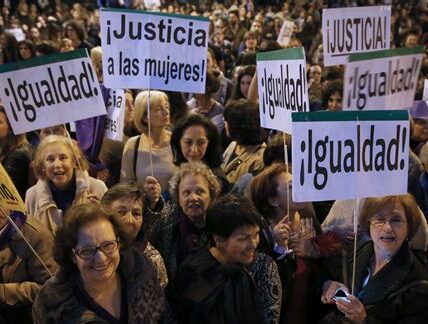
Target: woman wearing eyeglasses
pixel 391 281
pixel 100 279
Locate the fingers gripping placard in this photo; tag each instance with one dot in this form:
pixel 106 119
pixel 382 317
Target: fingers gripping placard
pixel 9 196
pixel 346 155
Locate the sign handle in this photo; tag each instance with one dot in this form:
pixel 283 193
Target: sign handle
pixel 26 241
pixel 287 171
pixel 354 257
pixel 150 134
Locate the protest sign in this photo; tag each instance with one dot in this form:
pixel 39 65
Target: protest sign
pixel 9 196
pixel 425 94
pixel 50 90
pixel 354 30
pixel 116 105
pixel 17 32
pixel 382 80
pixel 350 154
pixel 282 87
pixel 154 50
pixel 286 32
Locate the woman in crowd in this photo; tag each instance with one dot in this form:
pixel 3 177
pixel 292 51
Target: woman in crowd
pixel 15 154
pixel 205 105
pixel 21 272
pixel 9 48
pixel 180 227
pixel 288 224
pixel 100 278
pixel 136 160
pixel 26 50
pixel 127 201
pixel 390 279
pixel 230 282
pixel 195 139
pixel 332 97
pixel 76 33
pixel 240 90
pixel 63 181
pixel 245 153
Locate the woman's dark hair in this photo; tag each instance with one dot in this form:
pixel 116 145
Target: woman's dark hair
pixel 274 151
pixel 212 83
pixel 177 106
pixel 77 217
pixel 246 70
pixel 242 117
pixel 330 88
pixel 77 26
pixel 226 214
pixel 10 52
pixel 46 48
pixel 121 190
pixel 30 46
pixel 12 141
pixel 212 156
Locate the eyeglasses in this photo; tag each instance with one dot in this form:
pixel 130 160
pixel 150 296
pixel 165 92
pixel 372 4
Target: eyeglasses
pixel 88 252
pixel 394 222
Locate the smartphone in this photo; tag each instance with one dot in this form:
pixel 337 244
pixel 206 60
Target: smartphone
pixel 341 295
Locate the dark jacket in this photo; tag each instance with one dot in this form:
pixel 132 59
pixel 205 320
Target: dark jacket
pixel 57 302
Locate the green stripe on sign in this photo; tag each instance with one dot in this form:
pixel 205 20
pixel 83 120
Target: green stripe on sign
pixel 44 60
pixel 326 116
pixel 143 12
pixel 283 54
pixel 386 53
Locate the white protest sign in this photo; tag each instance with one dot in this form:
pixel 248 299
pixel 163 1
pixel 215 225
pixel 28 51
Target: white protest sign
pixel 286 32
pixel 17 32
pixel 282 87
pixel 116 105
pixel 152 4
pixel 350 154
pixel 382 80
pixel 354 30
pixel 50 90
pixel 425 95
pixel 154 50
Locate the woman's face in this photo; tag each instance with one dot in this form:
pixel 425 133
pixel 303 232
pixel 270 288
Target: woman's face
pixel 54 130
pixel 59 165
pixel 131 212
pixel 283 192
pixel 24 51
pixel 240 246
pixel 388 229
pixel 4 126
pixel 251 43
pixel 102 266
pixel 159 114
pixel 194 197
pixel 335 102
pixel 194 143
pixel 244 85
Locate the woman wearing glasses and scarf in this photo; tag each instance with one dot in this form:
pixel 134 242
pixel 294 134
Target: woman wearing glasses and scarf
pixel 391 281
pixel 100 279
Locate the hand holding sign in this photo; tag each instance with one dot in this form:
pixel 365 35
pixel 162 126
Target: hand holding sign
pixel 281 232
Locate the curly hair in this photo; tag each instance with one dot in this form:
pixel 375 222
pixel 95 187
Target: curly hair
pixel 212 155
pixel 68 145
pixel 243 122
pixel 195 169
pixel 372 206
pixel 76 218
pixel 128 190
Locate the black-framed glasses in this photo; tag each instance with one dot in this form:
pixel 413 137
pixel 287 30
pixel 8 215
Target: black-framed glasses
pixel 395 222
pixel 88 252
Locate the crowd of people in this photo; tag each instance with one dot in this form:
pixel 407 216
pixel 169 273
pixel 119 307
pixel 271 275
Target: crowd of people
pixel 190 218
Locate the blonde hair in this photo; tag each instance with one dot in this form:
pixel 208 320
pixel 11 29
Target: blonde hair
pixel 50 140
pixel 97 61
pixel 140 107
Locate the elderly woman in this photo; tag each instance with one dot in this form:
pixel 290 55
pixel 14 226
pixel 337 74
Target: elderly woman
pixel 230 282
pixel 180 227
pixel 390 280
pixel 21 272
pixel 127 201
pixel 136 160
pixel 15 154
pixel 62 182
pixel 245 153
pixel 100 279
pixel 196 139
